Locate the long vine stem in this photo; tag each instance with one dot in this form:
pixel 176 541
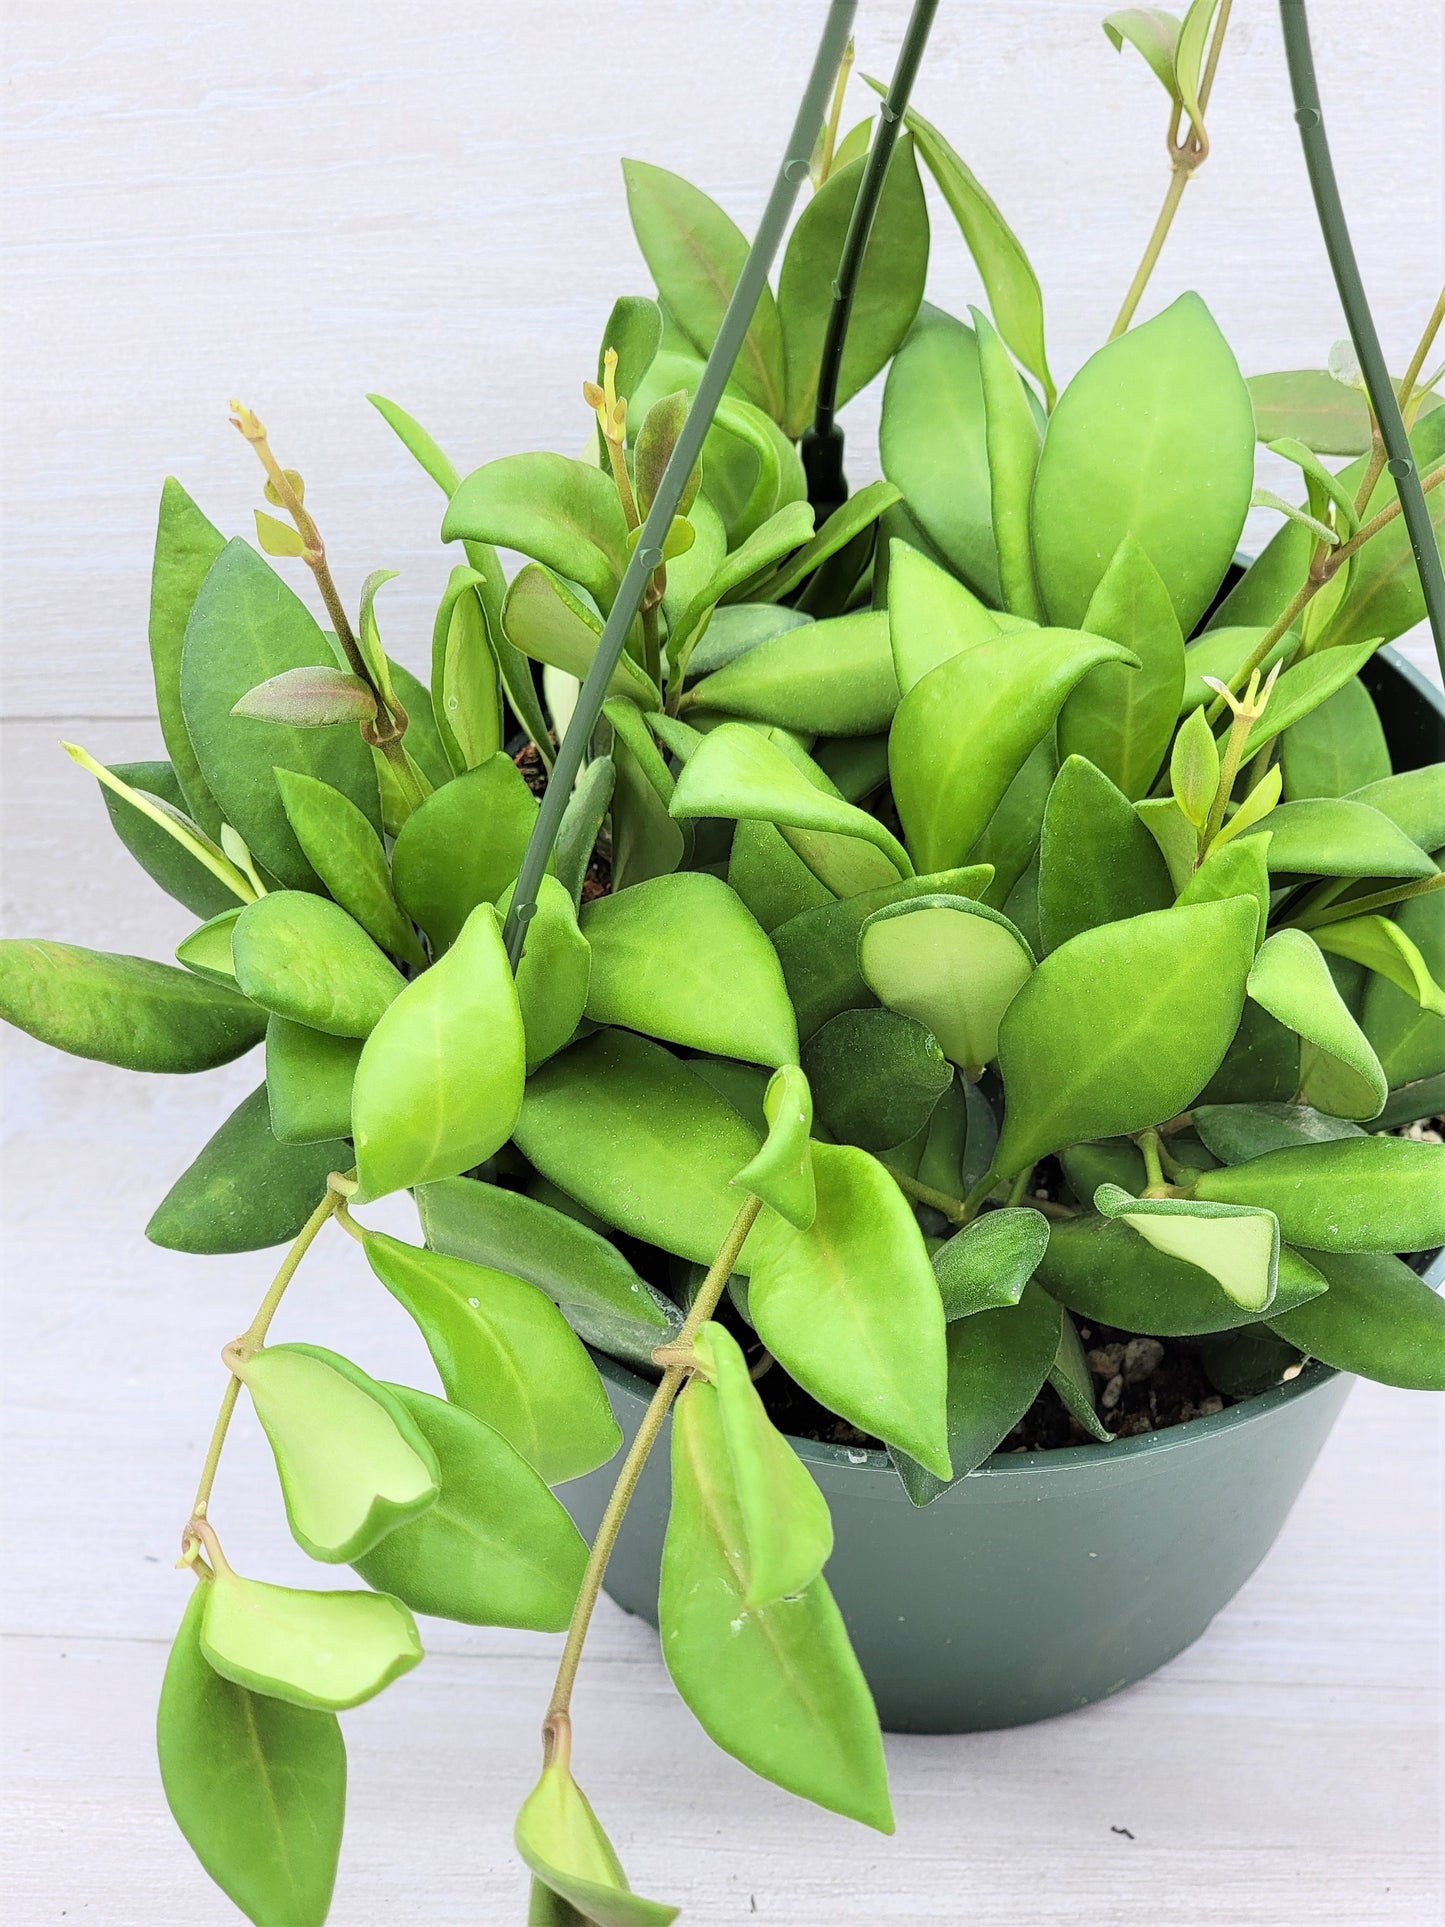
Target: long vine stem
pixel 1186 157
pixel 556 1727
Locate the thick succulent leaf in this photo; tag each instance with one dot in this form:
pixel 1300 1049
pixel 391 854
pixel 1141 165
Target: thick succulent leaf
pixel 440 1080
pixel 1238 1245
pixel 247 626
pixel 1102 1270
pixel 351 1460
pixel 1236 1132
pixel 308 1082
pixel 325 1650
pixel 875 1076
pixel 1337 748
pixel 1312 407
pixel 963 733
pixel 581 822
pixel 1339 1072
pixel 597 1290
pixel 832 678
pixel 559 1837
pixel 1261 1065
pixel 465 680
pixel 988 1263
pixel 1414 800
pixel 681 958
pixel 495 1548
pixel 1164 400
pixel 646 842
pixel 628 1130
pixel 1385 598
pixel 1234 870
pixel 1014 435
pixel 851 1307
pixel 186 547
pixel 1071 1379
pixel 1333 837
pixel 1404 1007
pixel 257 1786
pixel 998 1360
pixel 174 867
pixel 562 513
pixel 506 1354
pixel 127 1011
pixel 347 854
pixel 772 879
pixel 553 973
pixel 302 957
pixel 1009 845
pixel 1122 1027
pixel 1154 34
pixel 775 1685
pixel 846 528
pixel 931 616
pixel 1118 717
pixel 782 1172
pixel 933 444
pixel 695 254
pixel 1097 862
pixel 546 621
pixel 889 284
pixel 418 443
pixel 1303 688
pixel 1353 1194
pixel 245 1190
pixel 739 772
pixel 309 698
pixel 1378 1318
pixel 953 964
pixel 207 951
pixel 463 847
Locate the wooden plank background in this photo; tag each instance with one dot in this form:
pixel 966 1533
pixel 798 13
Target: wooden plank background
pixel 298 205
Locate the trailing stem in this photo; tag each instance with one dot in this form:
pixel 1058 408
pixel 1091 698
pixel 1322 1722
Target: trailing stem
pixel 556 1727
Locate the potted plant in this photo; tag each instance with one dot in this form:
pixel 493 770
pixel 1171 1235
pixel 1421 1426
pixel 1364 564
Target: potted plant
pixel 942 1055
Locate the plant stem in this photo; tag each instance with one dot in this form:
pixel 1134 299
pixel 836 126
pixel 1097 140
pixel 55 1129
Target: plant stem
pixel 556 1727
pixel 1239 728
pixel 829 136
pixel 952 1208
pixel 1315 917
pixel 251 1340
pixel 1405 396
pixel 1020 1186
pixel 978 1197
pixel 1149 1146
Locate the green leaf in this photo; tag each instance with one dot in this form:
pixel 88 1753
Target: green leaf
pixel 987 1264
pixel 127 1011
pixel 655 440
pixel 1122 1027
pixel 246 627
pixel 1339 1072
pixel 851 1307
pixel 628 1130
pixel 326 1650
pixel 1332 837
pixel 695 254
pixel 418 443
pixel 1097 862
pixel 1235 1132
pixel 352 1462
pixel 557 511
pixel 787 1535
pixel 1353 1194
pixel 776 536
pixel 440 1080
pixel 781 1174
pixel 186 547
pixel 308 1082
pixel 465 681
pixel 309 698
pixel 775 1685
pixel 1385 598
pixel 1012 285
pixel 1164 400
pixel 1194 769
pixel 1222 653
pixel 1010 843
pixel 679 957
pixel 347 854
pixel 1238 1245
pixel 932 440
pixel 581 823
pixel 848 524
pixel 832 678
pixel 1255 807
pixel 245 1190
pixel 1314 408
pixel 888 290
pixel 931 617
pixel 953 964
pixel 1189 56
pixel 998 1360
pixel 553 973
pixel 1106 1273
pixel 1414 801
pixel 1303 687
pixel 163 858
pixel 559 1837
pixel 495 1549
pixel 506 1354
pixel 207 951
pixel 463 847
pixel 1233 870
pixel 774 882
pixel 963 733
pixel 875 1076
pixel 1378 1318
pixel 603 1299
pixel 1407 1030
pixel 739 772
pixel 1014 436
pixel 1071 1379
pixel 302 957
pixel 634 333
pixel 1154 34
pixel 546 621
pixel 258 1787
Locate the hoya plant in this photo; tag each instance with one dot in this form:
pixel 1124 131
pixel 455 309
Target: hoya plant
pixel 980 913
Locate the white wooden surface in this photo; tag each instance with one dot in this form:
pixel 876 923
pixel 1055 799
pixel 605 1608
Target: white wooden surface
pixel 300 204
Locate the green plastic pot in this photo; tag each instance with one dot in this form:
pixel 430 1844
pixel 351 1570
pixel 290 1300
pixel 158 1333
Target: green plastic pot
pixel 1044 1580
